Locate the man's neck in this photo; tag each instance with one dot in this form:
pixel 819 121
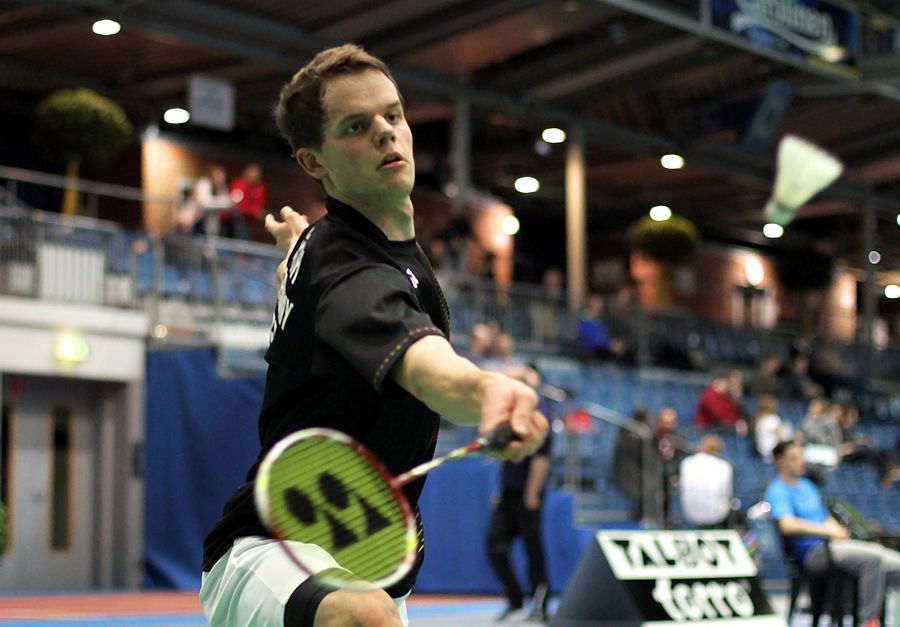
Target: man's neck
pixel 788 479
pixel 395 220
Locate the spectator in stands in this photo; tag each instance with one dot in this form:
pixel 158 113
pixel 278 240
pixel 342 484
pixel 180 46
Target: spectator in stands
pixel 707 486
pixel 797 382
pixel 546 310
pixel 718 406
pixel 249 193
pixel 593 334
pixel 819 542
pixel 671 448
pixel 211 196
pixel 768 427
pixel 820 426
pixel 481 343
pixel 518 513
pixel 831 369
pixel 503 355
pixel 767 379
pixel 629 457
pixel 857 448
pixel 823 439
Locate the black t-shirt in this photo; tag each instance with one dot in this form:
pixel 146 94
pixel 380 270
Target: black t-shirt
pixel 350 305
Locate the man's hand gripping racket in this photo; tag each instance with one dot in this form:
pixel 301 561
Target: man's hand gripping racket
pixel 322 487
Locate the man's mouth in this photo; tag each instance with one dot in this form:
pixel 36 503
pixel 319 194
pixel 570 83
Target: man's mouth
pixel 390 159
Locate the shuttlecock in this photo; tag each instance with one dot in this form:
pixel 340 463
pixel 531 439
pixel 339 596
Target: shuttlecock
pixel 802 170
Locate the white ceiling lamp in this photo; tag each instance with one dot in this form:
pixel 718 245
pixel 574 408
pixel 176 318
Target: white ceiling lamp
pixel 176 115
pixel 106 27
pixel 660 213
pixel 553 135
pixel 527 185
pixel 672 161
pixel 773 231
pixel 892 291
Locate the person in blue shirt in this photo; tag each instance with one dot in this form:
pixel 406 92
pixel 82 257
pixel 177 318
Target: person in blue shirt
pixel 518 513
pixel 811 531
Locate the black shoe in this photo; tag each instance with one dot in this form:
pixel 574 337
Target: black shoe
pixel 511 608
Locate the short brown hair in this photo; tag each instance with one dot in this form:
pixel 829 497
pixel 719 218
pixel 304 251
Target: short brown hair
pixel 299 113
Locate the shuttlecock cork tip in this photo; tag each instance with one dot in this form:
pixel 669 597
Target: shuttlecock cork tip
pixel 802 170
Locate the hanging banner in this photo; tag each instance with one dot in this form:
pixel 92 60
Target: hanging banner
pixel 816 31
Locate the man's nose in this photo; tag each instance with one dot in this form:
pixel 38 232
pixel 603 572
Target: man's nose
pixel 384 131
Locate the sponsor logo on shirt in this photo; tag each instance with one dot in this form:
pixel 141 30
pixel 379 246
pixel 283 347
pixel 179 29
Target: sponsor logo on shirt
pixel 412 278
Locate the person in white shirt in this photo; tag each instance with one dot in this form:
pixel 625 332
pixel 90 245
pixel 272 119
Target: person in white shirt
pixel 768 427
pixel 706 486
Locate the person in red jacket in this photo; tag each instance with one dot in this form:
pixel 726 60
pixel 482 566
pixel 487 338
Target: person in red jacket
pixel 718 406
pixel 248 191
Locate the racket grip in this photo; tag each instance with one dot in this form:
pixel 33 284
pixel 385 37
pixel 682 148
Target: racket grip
pixel 498 438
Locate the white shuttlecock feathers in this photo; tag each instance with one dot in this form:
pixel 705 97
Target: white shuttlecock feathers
pixel 802 170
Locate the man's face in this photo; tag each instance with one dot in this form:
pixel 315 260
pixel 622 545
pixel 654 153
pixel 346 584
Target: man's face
pixel 366 157
pixel 791 463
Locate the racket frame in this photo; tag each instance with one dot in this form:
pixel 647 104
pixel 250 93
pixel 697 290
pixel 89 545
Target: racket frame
pixel 263 508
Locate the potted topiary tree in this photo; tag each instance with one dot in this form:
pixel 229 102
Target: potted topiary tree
pixel 79 126
pixel 658 247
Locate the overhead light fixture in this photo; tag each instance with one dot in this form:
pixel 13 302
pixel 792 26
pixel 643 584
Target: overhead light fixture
pixel 892 291
pixel 898 219
pixel 874 257
pixel 527 185
pixel 510 225
pixel 553 135
pixel 71 348
pixel 106 27
pixel 773 231
pixel 672 161
pixel 660 213
pixel 176 115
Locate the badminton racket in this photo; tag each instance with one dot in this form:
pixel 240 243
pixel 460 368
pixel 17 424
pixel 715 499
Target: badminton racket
pixel 322 487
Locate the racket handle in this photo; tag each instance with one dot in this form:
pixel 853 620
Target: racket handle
pixel 497 439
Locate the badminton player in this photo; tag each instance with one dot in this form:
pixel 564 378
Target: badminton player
pixel 358 344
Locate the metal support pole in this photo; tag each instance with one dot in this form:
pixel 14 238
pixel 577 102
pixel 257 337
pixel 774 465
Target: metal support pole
pixel 869 226
pixel 461 150
pixel 576 223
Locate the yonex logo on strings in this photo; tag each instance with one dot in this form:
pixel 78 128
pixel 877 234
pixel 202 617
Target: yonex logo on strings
pixel 337 499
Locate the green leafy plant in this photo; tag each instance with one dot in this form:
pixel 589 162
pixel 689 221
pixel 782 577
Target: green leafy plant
pixel 79 126
pixel 671 241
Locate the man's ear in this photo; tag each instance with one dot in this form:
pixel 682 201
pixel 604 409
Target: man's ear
pixel 310 162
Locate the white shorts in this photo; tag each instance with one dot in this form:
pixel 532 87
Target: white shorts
pixel 253 581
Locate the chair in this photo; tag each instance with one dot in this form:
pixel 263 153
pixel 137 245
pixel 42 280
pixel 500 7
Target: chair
pixel 831 586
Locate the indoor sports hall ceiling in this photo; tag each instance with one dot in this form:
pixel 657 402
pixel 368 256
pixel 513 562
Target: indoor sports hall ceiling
pixel 641 77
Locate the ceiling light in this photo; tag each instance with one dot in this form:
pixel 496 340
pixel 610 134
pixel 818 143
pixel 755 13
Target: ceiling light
pixel 898 219
pixel 106 27
pixel 660 213
pixel 527 185
pixel 672 161
pixel 510 225
pixel 176 115
pixel 892 291
pixel 874 257
pixel 773 231
pixel 553 135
